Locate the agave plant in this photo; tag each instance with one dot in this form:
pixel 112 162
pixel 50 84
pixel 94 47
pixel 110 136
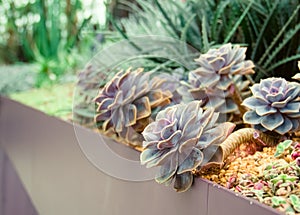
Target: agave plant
pixel 125 103
pixel 274 106
pixel 217 79
pixel 182 138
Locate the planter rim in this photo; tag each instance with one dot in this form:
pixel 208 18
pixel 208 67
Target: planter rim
pixel 48 159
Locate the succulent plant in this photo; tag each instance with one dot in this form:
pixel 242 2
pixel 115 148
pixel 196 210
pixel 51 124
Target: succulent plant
pixel 125 103
pixel 218 79
pixel 172 83
pixel 283 148
pixel 274 106
pixel 278 182
pixel 182 138
pixel 217 67
pixel 295 201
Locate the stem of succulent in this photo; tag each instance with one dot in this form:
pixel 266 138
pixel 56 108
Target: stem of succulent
pixel 247 135
pixel 237 98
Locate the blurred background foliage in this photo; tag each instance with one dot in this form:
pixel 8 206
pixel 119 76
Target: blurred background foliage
pixel 56 39
pixel 48 33
pixel 269 28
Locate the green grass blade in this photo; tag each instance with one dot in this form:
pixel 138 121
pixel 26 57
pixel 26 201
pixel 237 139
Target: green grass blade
pixel 262 30
pixel 54 34
pixel 289 35
pixel 169 21
pixel 220 10
pixel 280 33
pixel 238 22
pixel 185 30
pixel 123 34
pixel 72 41
pixel 42 34
pixel 204 35
pixel 284 61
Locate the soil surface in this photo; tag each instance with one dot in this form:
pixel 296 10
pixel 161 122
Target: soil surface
pixel 245 172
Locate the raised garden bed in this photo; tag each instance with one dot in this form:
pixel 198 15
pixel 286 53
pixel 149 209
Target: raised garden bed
pixel 61 180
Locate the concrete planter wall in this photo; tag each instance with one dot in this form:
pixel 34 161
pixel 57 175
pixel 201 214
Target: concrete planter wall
pixel 60 180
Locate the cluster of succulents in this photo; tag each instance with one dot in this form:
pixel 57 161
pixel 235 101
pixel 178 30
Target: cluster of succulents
pixel 182 138
pixel 274 106
pixel 125 104
pixel 217 80
pixel 178 124
pixel 278 185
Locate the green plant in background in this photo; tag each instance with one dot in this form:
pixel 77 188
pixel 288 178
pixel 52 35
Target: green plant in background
pixel 43 32
pixel 20 78
pixel 269 29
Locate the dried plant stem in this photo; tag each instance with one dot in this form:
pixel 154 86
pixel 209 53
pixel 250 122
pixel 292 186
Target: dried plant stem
pixel 233 141
pixel 247 135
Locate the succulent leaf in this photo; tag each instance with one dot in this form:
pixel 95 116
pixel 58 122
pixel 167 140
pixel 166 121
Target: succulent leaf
pixel 183 181
pixel 274 106
pixel 297 76
pixel 177 139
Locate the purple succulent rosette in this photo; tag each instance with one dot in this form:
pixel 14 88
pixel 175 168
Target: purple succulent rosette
pixel 217 77
pixel 183 138
pixel 274 106
pixel 217 66
pixel 124 105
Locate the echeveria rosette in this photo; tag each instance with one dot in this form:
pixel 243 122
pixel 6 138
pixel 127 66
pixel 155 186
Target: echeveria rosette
pixel 125 103
pixel 217 66
pixel 218 79
pixel 274 106
pixel 182 138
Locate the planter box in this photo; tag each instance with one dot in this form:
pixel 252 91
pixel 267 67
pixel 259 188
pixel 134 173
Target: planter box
pixel 61 180
pixel 13 197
